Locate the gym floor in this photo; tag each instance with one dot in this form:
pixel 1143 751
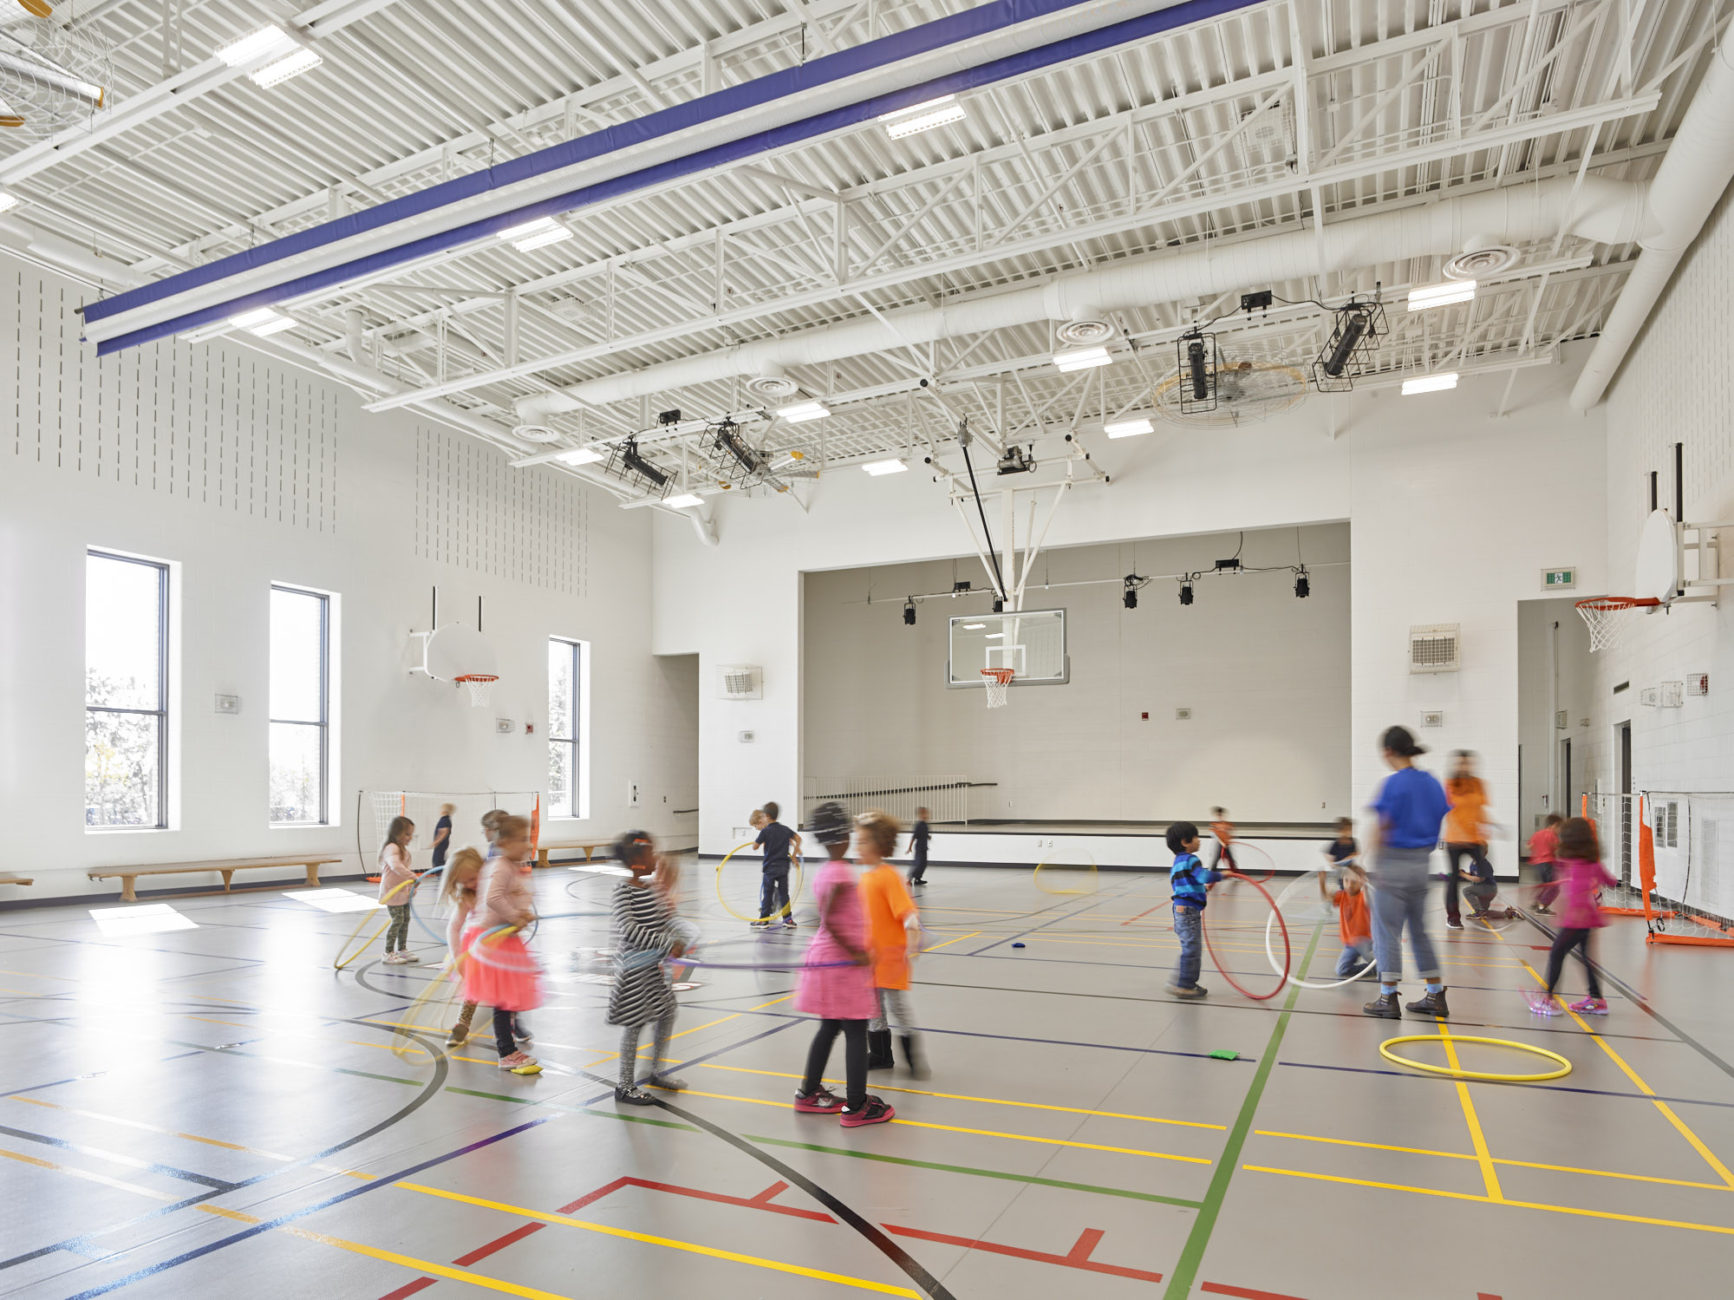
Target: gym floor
pixel 214 1110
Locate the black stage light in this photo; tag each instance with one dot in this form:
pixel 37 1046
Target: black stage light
pixel 1302 587
pixel 1129 598
pixel 1186 593
pixel 909 612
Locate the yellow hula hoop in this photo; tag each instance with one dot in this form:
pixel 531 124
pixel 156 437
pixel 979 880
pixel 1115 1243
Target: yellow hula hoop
pixel 1386 1052
pixel 794 888
pixel 441 984
pixel 1038 878
pixel 341 961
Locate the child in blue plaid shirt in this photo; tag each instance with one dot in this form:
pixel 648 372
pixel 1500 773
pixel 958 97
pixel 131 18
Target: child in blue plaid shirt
pixel 1189 878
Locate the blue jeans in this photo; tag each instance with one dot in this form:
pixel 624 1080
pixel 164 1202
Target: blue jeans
pixel 1354 956
pixel 1400 880
pixel 1189 926
pixel 774 893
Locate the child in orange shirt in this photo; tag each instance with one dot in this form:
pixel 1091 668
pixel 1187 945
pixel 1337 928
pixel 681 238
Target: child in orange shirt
pixel 1222 830
pixel 893 932
pixel 1354 921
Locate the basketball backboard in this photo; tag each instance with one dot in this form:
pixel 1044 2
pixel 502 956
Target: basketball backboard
pixel 1032 644
pixel 457 650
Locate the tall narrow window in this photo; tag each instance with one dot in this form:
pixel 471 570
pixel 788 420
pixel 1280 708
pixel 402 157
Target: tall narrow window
pixel 300 705
pixel 126 691
pixel 565 702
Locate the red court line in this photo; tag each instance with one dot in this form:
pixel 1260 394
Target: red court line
pixel 1077 1257
pixel 1146 912
pixel 1245 1293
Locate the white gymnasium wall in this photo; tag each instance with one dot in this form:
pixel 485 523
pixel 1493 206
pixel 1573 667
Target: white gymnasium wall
pixel 244 472
pixel 1450 521
pixel 1265 676
pixel 1538 735
pixel 1676 386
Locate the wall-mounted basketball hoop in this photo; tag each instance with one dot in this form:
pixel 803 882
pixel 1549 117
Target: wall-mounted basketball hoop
pixel 459 654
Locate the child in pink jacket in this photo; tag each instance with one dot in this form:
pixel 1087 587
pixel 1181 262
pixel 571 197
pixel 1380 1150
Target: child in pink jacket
pixel 1580 875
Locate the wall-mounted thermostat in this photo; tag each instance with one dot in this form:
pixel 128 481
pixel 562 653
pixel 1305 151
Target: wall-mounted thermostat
pixel 746 737
pixel 228 704
pixel 1432 717
pixel 503 726
pixel 1183 715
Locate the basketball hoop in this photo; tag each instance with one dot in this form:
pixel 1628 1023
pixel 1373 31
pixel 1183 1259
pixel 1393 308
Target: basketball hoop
pixel 998 681
pixel 481 688
pixel 1601 615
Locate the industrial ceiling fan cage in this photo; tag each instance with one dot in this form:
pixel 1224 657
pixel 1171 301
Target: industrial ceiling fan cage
pixel 51 77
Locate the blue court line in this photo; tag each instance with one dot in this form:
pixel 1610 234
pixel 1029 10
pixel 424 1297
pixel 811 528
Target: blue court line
pixel 1548 1087
pixel 167 1171
pixel 1094 901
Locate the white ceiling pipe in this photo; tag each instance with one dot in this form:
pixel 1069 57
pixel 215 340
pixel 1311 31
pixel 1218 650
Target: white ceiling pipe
pixel 1606 211
pixel 1695 171
pixel 57 253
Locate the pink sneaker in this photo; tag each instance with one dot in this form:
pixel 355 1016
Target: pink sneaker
pixel 1542 1004
pixel 873 1110
pixel 1590 1007
pixel 520 1063
pixel 821 1101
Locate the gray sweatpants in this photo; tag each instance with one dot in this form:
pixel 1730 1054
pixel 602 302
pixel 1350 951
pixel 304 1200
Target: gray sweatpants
pixel 1400 882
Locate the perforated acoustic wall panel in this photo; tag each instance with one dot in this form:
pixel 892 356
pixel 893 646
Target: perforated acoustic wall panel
pixel 476 512
pixel 201 423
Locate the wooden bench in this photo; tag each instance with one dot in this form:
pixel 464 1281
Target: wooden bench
pixel 17 880
pixel 227 868
pixel 589 847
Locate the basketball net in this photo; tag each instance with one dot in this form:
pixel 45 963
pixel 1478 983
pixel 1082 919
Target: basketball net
pixel 998 682
pixel 1601 614
pixel 481 688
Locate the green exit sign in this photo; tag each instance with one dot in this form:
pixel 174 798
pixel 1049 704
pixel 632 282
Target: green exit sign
pixel 1558 579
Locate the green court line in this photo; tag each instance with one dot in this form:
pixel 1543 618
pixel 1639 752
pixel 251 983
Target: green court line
pixel 1192 1254
pixel 978 1173
pixel 574 1110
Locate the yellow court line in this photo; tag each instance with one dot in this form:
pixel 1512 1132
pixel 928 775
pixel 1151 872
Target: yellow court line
pixel 1482 1155
pixel 1470 1196
pixel 776 1265
pixel 651 1046
pixel 148 1128
pixel 979 1132
pixel 773 1002
pixel 1498 1160
pixel 87 1176
pixel 425 1266
pixel 960 938
pixel 992 1101
pixel 1679 1124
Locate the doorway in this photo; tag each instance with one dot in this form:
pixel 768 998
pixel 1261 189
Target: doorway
pixel 1623 739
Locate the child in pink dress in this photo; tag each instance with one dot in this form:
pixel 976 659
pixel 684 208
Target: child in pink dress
pixel 836 983
pixel 499 970
pixel 1580 875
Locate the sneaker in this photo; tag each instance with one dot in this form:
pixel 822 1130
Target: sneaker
pixel 759 925
pixel 459 1036
pixel 1591 1007
pixel 521 1031
pixel 408 958
pixel 633 1096
pixel 668 1082
pixel 820 1101
pixel 871 1111
pixel 1431 1005
pixel 1544 911
pixel 1542 1004
pixel 1385 1006
pixel 789 923
pixel 1453 923
pixel 1192 991
pixel 394 959
pixel 520 1063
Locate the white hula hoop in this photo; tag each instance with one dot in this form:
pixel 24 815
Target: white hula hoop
pixel 1270 953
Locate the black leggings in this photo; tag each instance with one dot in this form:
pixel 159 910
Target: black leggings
pixel 1454 855
pixel 503 1032
pixel 1563 943
pixel 854 1059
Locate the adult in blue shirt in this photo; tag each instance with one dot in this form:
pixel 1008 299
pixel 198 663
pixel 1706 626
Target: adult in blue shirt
pixel 1409 807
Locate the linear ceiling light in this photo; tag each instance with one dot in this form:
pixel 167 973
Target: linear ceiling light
pixel 973 627
pixel 684 500
pixel 261 44
pixel 263 321
pixel 878 467
pixel 923 117
pixel 1430 383
pixel 1128 428
pixel 8 200
pixel 1082 359
pixel 293 65
pixel 1441 295
pixel 535 234
pixel 581 456
pixel 801 412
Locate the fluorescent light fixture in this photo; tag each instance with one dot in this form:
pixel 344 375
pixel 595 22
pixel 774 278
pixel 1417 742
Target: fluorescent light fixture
pixel 684 500
pixel 535 234
pixel 259 45
pixel 263 321
pixel 878 467
pixel 993 636
pixel 8 200
pixel 333 900
pixel 1128 428
pixel 1082 359
pixel 136 918
pixel 580 456
pixel 1430 383
pixel 923 117
pixel 293 65
pixel 973 627
pixel 801 412
pixel 1441 295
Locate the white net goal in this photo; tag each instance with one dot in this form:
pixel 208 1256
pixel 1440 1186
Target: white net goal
pixel 376 808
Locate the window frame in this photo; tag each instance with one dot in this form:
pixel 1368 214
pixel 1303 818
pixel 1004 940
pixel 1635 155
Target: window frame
pixel 161 713
pixel 576 806
pixel 324 724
